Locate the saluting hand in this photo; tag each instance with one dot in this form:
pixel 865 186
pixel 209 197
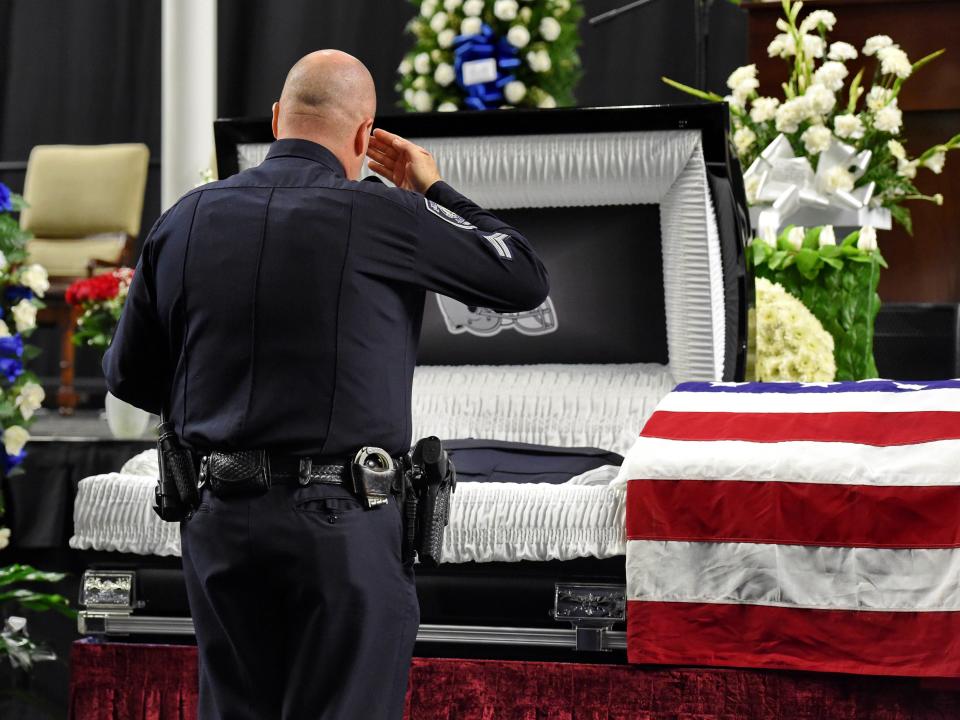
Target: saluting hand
pixel 403 163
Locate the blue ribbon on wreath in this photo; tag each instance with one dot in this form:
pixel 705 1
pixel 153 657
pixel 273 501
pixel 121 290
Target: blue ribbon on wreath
pixel 485 45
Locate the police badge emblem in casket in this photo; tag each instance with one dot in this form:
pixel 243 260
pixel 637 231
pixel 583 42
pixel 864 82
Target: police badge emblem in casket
pixel 483 322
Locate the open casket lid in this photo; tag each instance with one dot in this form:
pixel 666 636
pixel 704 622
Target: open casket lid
pixel 640 217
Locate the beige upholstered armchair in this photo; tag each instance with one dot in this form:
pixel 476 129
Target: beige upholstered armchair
pixel 84 207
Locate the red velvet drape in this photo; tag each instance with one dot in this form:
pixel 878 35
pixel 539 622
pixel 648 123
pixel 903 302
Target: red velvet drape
pixel 158 682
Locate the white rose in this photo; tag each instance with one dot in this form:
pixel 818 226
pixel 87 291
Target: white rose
pixel 936 162
pixel 831 75
pixel 518 36
pixel 875 43
pixel 428 8
pixel 827 236
pixel 743 140
pixel 888 119
pixel 471 26
pixel 795 237
pixel 894 61
pixel 839 179
pixel 447 107
pixel 817 139
pixel 814 46
pixel 549 29
pixel 446 37
pixel 4 537
pixel 868 239
pixel 438 22
pixel 451 5
pixel 822 100
pixel 539 61
pixel 405 67
pixel 842 51
pixel 878 97
pixel 506 9
pixel 514 92
pixel 25 315
pixel 422 101
pixel 896 149
pixel 547 101
pixel 783 45
pixel 816 19
pixel 408 96
pixel 5 331
pixel 444 74
pixel 421 63
pixel 35 277
pixel 848 127
pixel 30 399
pixel 763 109
pixel 473 8
pixel 14 438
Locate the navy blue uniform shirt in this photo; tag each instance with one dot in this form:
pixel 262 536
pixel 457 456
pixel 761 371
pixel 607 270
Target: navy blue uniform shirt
pixel 281 308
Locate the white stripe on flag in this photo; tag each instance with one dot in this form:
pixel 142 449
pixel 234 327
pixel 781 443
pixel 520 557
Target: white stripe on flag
pixel 773 402
pixel 826 578
pixel 933 463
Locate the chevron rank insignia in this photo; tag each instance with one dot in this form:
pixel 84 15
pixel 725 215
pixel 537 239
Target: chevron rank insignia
pixel 498 240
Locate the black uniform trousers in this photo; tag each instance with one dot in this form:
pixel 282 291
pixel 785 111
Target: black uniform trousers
pixel 302 606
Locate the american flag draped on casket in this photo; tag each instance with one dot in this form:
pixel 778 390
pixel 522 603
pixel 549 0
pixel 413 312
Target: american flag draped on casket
pixel 810 527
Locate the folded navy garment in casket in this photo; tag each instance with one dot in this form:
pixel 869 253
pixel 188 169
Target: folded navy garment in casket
pixel 514 462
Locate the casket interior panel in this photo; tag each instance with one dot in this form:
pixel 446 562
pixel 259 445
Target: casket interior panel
pixel 638 214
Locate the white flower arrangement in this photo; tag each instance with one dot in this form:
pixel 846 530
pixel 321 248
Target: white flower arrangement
pixel 824 110
pixel 535 46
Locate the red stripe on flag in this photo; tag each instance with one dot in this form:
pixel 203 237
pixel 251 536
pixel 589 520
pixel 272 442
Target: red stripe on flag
pixel 868 643
pixel 794 513
pixel 866 428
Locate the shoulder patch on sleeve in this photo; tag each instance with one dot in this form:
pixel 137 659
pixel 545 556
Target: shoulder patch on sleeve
pixel 448 215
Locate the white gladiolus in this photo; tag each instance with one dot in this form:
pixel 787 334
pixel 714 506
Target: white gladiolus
pixel 547 101
pixel 35 277
pixel 30 399
pixel 936 162
pixel 831 75
pixel 888 119
pixel 735 102
pixel 795 237
pixel 764 109
pixel 444 74
pixel 879 97
pixel 451 5
pixel 894 61
pixel 14 438
pixel 896 149
pixel 421 63
pixel 422 101
pixel 743 140
pixel 549 29
pixel 471 26
pixel 827 236
pixel 818 18
pixel 539 61
pixel 842 52
pixel 405 67
pixel 741 75
pixel 875 43
pixel 518 36
pixel 438 22
pixel 447 107
pixel 506 9
pixel 792 113
pixel 938 199
pixel 783 46
pixel 473 8
pixel 446 37
pixel 816 139
pixel 848 127
pixel 814 46
pixel 907 169
pixel 25 315
pixel 514 91
pixel 868 239
pixel 4 330
pixel 822 100
pixel 839 179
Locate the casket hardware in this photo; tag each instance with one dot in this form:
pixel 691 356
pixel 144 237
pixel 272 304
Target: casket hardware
pixel 592 609
pixel 109 592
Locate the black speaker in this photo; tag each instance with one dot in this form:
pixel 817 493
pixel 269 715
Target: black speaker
pixel 918 341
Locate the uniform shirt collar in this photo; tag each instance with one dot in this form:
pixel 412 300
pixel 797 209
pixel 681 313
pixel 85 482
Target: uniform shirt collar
pixel 308 150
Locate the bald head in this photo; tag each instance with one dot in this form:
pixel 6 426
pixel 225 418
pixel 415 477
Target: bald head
pixel 328 97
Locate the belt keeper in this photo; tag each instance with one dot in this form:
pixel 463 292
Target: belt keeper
pixel 306 465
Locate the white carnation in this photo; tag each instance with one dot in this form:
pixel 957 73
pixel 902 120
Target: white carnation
pixel 879 97
pixel 894 61
pixel 792 113
pixel 848 127
pixel 446 37
pixel 438 22
pixel 14 438
pixel 405 67
pixel 838 179
pixel 888 119
pixel 896 149
pixel 561 6
pixel 447 107
pixel 25 315
pixel 30 399
pixel 4 330
pixel 936 162
pixel 421 63
pixel 822 100
pixel 795 237
pixel 741 75
pixel 549 29
pixel 473 8
pixel 827 236
pixel 743 140
pixel 831 75
pixel 875 43
pixel 506 9
pixel 515 91
pixel 451 5
pixel 35 277
pixel 471 26
pixel 428 8
pixel 539 61
pixel 422 101
pixel 868 239
pixel 444 74
pixel 842 52
pixel 814 46
pixel 436 55
pixel 547 101
pixel 408 95
pixel 816 139
pixel 763 109
pixel 518 36
pixel 783 46
pixel 420 82
pixel 816 19
pixel 525 14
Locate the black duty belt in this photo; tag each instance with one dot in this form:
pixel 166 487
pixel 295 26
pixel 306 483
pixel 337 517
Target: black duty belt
pixel 297 470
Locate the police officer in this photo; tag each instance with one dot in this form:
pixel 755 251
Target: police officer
pixel 279 310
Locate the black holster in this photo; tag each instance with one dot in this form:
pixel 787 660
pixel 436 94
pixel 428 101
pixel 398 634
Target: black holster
pixel 430 480
pixel 176 494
